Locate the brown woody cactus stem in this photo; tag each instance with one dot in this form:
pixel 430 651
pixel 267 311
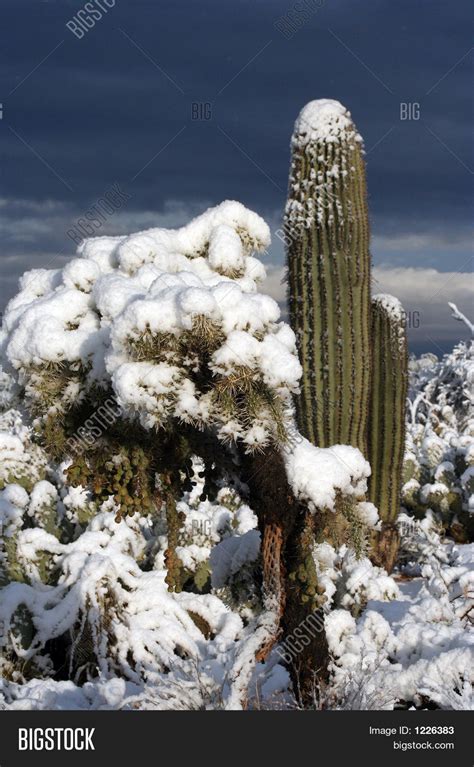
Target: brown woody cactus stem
pixel 289 573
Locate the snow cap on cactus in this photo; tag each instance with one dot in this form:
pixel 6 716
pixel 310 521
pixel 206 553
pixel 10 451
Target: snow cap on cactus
pixel 324 120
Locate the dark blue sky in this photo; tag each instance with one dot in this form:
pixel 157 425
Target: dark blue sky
pixel 116 106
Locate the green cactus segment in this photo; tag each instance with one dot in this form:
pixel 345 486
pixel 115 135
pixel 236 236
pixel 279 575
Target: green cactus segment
pixel 327 237
pixel 388 405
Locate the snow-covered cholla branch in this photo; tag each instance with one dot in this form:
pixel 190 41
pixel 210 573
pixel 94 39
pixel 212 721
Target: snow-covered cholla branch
pixel 155 315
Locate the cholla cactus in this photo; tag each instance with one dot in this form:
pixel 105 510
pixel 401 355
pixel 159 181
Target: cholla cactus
pixel 22 561
pixel 152 367
pixel 8 389
pixel 21 460
pixel 13 501
pixel 170 322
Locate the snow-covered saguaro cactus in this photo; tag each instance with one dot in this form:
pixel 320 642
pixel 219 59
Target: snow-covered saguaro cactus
pixel 327 234
pixel 387 420
pixel 354 367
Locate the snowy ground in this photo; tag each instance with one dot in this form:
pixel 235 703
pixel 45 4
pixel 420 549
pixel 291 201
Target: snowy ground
pixel 415 650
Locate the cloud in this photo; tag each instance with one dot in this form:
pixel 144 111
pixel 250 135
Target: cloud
pixel 27 220
pixel 414 285
pixel 34 234
pixel 423 241
pixel 424 294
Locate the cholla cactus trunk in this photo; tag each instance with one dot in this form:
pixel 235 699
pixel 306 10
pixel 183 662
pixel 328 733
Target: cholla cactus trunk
pixel 290 582
pixel 327 236
pixel 387 422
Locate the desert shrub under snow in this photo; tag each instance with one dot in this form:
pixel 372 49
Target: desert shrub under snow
pixel 416 650
pixel 439 460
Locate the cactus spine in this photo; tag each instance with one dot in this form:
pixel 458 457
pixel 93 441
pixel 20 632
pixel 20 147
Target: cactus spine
pixel 353 353
pixel 387 420
pixel 327 235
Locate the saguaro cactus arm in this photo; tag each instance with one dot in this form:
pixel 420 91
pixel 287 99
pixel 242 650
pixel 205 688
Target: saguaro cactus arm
pixel 387 421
